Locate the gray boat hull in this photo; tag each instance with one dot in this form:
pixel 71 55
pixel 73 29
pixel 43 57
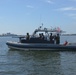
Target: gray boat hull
pixel 39 46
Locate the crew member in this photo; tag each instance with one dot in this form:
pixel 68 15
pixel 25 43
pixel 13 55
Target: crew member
pixel 27 36
pixel 57 39
pixel 42 36
pixel 51 38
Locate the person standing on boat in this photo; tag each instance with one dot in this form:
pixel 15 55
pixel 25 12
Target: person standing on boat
pixel 40 36
pixel 51 38
pixel 27 36
pixel 57 39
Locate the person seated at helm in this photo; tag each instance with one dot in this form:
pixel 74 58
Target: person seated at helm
pixel 42 36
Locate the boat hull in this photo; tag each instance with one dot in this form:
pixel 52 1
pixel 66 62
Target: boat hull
pixel 39 46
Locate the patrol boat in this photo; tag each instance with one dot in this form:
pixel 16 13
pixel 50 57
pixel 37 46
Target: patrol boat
pixel 40 40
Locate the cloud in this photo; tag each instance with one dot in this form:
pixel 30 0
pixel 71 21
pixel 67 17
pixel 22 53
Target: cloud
pixel 72 15
pixel 72 0
pixel 29 6
pixel 49 1
pixel 67 9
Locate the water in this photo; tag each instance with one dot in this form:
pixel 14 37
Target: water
pixel 13 62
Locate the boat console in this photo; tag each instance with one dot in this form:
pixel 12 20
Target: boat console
pixel 43 35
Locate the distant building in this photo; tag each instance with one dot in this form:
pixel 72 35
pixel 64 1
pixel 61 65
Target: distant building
pixel 8 34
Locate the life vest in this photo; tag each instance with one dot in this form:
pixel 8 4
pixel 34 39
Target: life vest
pixel 65 43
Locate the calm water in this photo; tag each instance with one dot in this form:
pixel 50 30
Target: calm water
pixel 14 62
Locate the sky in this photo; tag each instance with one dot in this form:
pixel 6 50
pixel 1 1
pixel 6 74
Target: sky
pixel 22 16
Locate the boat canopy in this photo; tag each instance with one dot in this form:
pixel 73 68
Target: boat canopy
pixel 56 30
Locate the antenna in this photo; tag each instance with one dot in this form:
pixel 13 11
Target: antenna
pixel 41 19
